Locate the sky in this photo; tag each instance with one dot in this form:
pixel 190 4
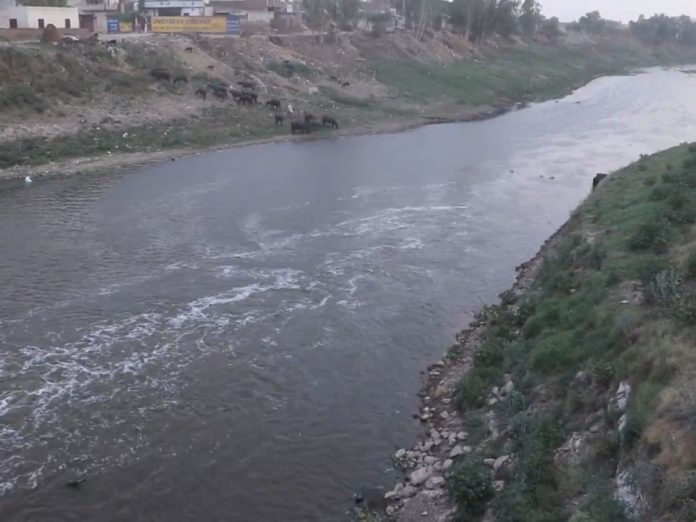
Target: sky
pixel 624 10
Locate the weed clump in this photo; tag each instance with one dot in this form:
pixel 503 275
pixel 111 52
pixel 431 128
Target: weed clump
pixel 471 486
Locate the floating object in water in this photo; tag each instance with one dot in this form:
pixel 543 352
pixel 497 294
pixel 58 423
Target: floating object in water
pixel 75 484
pixel 27 179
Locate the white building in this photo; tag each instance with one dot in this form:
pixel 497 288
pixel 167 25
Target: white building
pixel 35 17
pixel 176 8
pixel 94 13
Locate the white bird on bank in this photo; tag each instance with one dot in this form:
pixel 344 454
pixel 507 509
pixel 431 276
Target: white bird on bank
pixel 27 179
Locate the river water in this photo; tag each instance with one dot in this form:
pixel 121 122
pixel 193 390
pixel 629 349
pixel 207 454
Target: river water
pixel 239 336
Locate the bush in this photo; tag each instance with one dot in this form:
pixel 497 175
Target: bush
pixel 690 266
pixel 489 356
pixel 659 194
pixel 15 96
pixel 508 297
pixel 525 310
pixel 653 235
pixel 471 486
pixel 685 309
pixel 289 69
pixel 664 288
pixel 470 392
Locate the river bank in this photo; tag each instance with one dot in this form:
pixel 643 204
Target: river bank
pixel 555 402
pixel 423 493
pixel 131 160
pixel 110 107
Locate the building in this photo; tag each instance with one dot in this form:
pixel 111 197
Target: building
pixel 176 8
pixel 255 10
pixel 94 13
pixel 36 17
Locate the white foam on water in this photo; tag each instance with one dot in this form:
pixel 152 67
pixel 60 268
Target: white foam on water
pixel 135 360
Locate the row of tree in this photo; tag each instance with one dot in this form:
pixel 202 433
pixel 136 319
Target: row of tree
pixel 662 29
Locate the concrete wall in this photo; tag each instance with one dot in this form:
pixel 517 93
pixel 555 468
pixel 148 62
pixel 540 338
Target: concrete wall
pixel 28 17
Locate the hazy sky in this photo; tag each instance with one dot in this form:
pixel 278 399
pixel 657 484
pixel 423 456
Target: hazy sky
pixel 624 10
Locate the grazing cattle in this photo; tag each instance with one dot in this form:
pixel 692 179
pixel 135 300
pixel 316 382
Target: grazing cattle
pixel 201 93
pixel 345 84
pixel 333 79
pixel 597 180
pixel 246 85
pixel 273 104
pixel 112 43
pixel 298 127
pixel 253 96
pixel 211 67
pixel 161 74
pixel 189 49
pixel 236 94
pixel 308 117
pixel 279 119
pixel 245 99
pixel 180 79
pixel 328 120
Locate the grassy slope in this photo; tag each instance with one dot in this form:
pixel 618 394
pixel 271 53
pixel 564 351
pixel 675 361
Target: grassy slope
pixel 616 299
pixel 501 75
pixel 521 73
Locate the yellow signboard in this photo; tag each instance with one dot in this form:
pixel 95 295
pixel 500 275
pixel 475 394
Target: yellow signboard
pixel 189 24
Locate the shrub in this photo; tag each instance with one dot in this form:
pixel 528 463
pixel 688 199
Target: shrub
pixel 471 486
pixel 690 266
pixel 508 297
pixel 514 404
pixel 664 288
pixel 525 310
pixel 659 194
pixel 649 182
pixel 553 354
pixel 490 355
pixel 653 235
pixel 470 392
pixel 289 69
pixel 685 309
pixel 15 96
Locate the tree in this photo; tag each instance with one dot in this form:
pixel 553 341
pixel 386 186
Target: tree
pixel 592 23
pixel 506 18
pixel 530 18
pixel 350 10
pixel 551 29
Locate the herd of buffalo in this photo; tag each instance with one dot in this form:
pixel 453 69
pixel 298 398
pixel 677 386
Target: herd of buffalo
pixel 247 96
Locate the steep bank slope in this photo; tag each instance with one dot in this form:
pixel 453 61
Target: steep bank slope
pixel 78 101
pixel 575 395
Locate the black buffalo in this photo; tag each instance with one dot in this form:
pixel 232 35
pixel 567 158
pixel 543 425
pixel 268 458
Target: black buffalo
pixel 298 127
pixel 279 119
pixel 597 180
pixel 161 74
pixel 273 104
pixel 328 120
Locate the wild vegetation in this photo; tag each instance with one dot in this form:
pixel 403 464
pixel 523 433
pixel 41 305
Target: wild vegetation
pixel 601 423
